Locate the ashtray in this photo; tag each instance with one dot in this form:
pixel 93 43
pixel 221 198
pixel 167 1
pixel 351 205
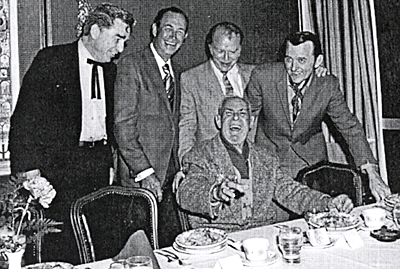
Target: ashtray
pixel 385 235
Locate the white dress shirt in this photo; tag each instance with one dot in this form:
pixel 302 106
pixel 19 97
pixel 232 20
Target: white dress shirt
pixel 234 78
pixel 93 110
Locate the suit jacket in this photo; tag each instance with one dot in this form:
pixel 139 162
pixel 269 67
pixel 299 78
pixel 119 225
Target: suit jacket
pixel 209 164
pixel 47 121
pixel 201 97
pixel 146 127
pixel 303 144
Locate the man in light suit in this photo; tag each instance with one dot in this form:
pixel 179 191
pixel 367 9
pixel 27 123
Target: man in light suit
pixel 62 123
pixel 147 101
pixel 205 86
pixel 292 102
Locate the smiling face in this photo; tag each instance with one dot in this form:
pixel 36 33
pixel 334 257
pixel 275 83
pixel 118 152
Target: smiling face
pixel 225 49
pixel 107 42
pixel 235 121
pixel 300 61
pixel 169 37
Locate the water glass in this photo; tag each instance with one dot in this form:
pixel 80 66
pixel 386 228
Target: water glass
pixel 290 242
pixel 139 262
pixel 396 215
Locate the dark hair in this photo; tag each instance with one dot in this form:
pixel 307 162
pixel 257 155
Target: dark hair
pixel 104 15
pixel 299 38
pixel 229 27
pixel 160 15
pixel 221 108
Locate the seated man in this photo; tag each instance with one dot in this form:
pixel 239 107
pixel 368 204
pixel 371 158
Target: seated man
pixel 234 185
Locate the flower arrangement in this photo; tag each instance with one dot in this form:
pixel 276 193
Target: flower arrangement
pixel 22 199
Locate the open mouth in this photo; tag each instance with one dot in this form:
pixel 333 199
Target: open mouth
pixel 235 128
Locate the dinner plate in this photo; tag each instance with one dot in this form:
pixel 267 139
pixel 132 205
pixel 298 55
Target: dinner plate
pixel 334 221
pixel 49 265
pixel 201 238
pixel 200 251
pixel 272 258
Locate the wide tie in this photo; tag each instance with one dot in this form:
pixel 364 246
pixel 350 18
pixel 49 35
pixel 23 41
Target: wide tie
pixel 296 100
pixel 168 83
pixel 95 79
pixel 227 84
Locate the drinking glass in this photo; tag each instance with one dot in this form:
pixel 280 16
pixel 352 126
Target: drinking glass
pixel 139 262
pixel 396 215
pixel 290 242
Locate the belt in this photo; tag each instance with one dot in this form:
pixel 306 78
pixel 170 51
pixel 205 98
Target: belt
pixel 92 144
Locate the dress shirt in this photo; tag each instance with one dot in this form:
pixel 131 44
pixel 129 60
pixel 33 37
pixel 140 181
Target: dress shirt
pixel 291 94
pixel 234 78
pixel 161 63
pixel 93 110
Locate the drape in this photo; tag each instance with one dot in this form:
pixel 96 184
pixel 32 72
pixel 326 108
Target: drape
pixel 347 32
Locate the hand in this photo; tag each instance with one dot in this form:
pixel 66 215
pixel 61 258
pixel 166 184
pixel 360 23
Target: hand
pixel 321 71
pixel 379 189
pixel 342 203
pixel 153 184
pixel 177 180
pixel 226 191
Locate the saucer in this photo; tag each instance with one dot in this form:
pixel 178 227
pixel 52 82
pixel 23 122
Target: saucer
pixel 366 228
pixel 331 244
pixel 272 258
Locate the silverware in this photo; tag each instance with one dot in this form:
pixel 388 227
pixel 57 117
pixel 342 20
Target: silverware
pixel 171 256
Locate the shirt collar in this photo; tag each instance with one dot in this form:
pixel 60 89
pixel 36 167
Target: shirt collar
pixel 302 84
pixel 159 60
pixel 234 71
pixel 84 54
pixel 230 147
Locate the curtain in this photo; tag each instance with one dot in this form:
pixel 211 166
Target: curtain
pixel 348 35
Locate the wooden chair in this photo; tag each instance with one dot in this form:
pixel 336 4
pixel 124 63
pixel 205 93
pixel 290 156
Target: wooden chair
pixel 104 220
pixel 333 179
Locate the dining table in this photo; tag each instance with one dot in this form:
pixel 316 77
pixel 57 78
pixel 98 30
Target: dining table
pixel 370 254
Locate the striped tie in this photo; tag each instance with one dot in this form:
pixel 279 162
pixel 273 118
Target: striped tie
pixel 227 84
pixel 168 83
pixel 296 101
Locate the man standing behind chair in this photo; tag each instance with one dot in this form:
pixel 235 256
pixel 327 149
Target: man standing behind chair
pixel 292 102
pixel 147 101
pixel 205 86
pixel 63 120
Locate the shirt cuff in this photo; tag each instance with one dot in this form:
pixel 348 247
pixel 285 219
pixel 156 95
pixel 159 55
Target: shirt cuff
pixel 145 173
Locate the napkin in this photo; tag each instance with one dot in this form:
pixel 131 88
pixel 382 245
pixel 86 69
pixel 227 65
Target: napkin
pixel 138 245
pixel 353 239
pixel 231 262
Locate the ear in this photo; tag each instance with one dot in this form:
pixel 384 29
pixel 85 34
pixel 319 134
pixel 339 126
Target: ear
pixel 252 120
pixel 154 29
pixel 218 122
pixel 95 31
pixel 318 61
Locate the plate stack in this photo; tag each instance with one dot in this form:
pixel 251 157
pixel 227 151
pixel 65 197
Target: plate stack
pixel 201 241
pixel 390 201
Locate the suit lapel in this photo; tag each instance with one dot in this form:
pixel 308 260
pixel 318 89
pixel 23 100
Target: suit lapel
pixel 157 79
pixel 283 96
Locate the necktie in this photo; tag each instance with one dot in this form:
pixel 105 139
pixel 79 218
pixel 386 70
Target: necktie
pixel 168 83
pixel 95 78
pixel 296 100
pixel 227 84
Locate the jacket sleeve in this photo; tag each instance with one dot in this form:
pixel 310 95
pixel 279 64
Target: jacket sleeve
pixel 126 113
pixel 188 118
pixel 297 197
pixel 350 127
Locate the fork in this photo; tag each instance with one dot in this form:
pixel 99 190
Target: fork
pixel 172 256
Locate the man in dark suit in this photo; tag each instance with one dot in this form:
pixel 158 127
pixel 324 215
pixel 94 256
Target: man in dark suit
pixel 292 103
pixel 62 123
pixel 147 101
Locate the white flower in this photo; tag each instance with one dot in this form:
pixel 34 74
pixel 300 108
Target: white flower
pixel 40 189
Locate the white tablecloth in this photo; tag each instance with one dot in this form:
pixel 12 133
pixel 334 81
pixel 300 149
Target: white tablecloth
pixel 373 254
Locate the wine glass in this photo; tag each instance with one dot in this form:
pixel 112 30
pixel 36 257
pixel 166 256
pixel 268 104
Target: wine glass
pixel 396 215
pixel 139 262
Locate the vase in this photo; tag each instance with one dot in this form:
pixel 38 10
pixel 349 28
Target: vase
pixel 15 258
